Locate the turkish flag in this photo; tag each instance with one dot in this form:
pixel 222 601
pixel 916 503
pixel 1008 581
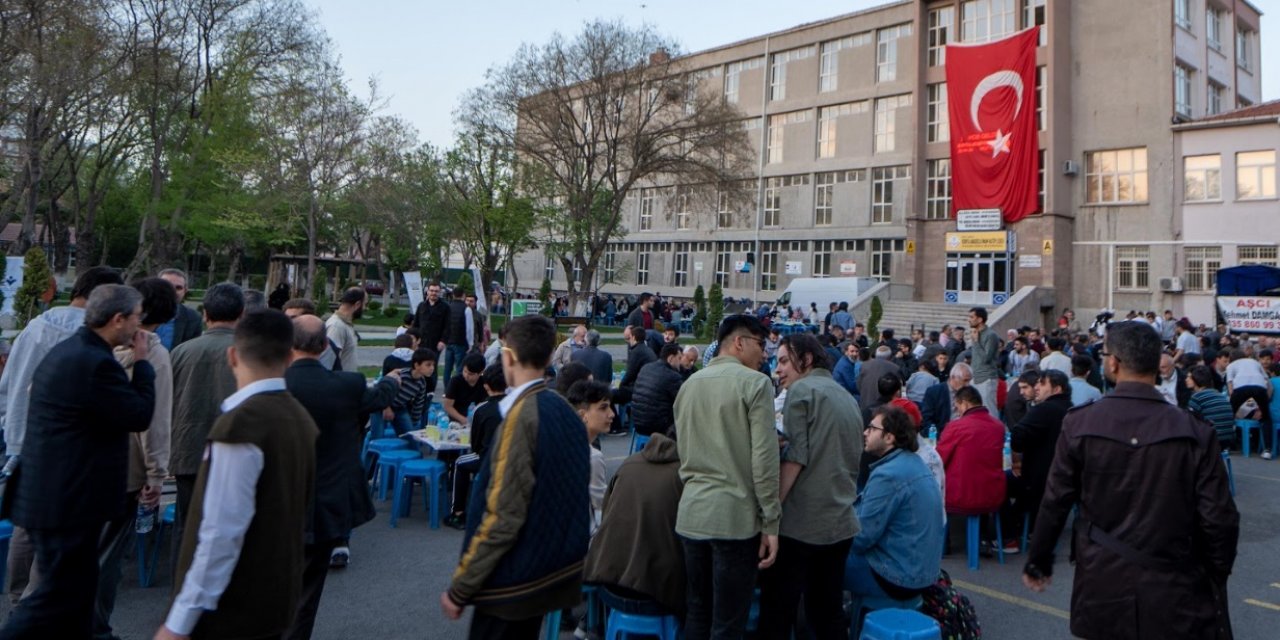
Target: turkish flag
pixel 991 89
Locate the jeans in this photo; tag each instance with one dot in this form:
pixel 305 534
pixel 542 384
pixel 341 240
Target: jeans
pixel 403 423
pixel 721 577
pixel 817 573
pixel 859 579
pixel 453 356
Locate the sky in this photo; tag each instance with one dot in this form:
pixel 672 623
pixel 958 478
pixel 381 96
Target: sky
pixel 425 54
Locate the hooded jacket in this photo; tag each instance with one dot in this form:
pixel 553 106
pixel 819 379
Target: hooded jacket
pixel 29 348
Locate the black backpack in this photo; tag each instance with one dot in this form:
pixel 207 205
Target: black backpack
pixel 953 611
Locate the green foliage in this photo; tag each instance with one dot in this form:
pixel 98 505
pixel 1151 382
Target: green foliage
pixel 35 281
pixel 873 320
pixel 320 290
pixel 374 305
pixel 699 312
pixel 715 309
pixel 466 283
pixel 391 311
pixel 544 295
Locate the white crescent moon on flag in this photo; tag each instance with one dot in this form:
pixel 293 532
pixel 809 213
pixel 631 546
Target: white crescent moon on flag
pixel 991 83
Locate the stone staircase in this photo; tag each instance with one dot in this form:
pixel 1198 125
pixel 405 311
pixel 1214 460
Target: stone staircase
pixel 903 316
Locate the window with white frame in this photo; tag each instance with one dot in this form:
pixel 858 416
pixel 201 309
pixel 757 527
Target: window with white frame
pixel 549 272
pixel 822 252
pixel 886 121
pixel 769 265
pixel 1182 90
pixel 1041 87
pixel 724 263
pixel 724 214
pixel 1213 27
pixel 882 258
pixel 941 28
pixel 611 262
pixel 986 20
pixel 777 126
pixel 1133 268
pixel 1200 268
pixel 683 216
pixel 829 60
pixel 1041 183
pixel 1118 176
pixel 827 118
pixel 680 266
pixel 823 198
pixel 1202 178
pixel 732 76
pixel 1034 14
pixel 937 121
pixel 1213 105
pixel 773 202
pixel 1257 254
pixel 1255 175
pixel 642 264
pixel 937 199
pixel 887 51
pixel 1244 48
pixel 1182 13
pixel 778 70
pixel 882 188
pixel 647 198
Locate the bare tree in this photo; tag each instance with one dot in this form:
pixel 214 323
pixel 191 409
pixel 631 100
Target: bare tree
pixel 594 117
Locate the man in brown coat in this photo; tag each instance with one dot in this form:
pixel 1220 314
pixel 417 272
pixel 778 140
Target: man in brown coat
pixel 1157 529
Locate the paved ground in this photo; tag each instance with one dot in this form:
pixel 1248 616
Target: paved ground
pixel 392 587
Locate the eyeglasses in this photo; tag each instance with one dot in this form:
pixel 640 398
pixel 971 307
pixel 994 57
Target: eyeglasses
pixel 872 427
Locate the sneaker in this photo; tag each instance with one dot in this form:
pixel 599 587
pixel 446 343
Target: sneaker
pixel 1266 455
pixel 1012 547
pixel 340 558
pixel 456 521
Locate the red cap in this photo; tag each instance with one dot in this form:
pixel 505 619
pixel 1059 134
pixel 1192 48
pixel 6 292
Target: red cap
pixel 911 409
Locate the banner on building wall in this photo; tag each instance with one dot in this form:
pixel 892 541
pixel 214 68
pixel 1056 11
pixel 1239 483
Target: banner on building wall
pixel 991 93
pixel 1251 314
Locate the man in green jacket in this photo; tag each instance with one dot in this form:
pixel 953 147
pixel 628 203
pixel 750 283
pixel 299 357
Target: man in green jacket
pixel 729 512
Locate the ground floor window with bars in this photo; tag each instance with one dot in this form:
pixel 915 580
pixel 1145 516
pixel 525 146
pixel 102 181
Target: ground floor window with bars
pixel 882 257
pixel 769 265
pixel 680 268
pixel 822 252
pixel 1263 254
pixel 1200 268
pixel 642 267
pixel 1133 268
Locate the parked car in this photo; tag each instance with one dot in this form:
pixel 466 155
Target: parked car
pixel 373 287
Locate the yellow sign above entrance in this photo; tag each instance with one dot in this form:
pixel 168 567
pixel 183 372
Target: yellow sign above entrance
pixel 977 241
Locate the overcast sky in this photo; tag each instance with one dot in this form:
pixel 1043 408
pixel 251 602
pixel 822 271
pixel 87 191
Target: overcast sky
pixel 426 53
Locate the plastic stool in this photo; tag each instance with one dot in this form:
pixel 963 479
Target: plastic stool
pixel 1231 477
pixel 149 560
pixel 638 442
pixel 622 624
pixel 859 605
pixel 388 467
pixel 972 535
pixel 900 624
pixel 379 446
pixel 1026 531
pixel 1245 427
pixel 6 533
pixel 551 625
pixel 431 472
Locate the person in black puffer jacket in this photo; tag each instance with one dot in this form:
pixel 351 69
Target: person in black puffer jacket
pixel 654 397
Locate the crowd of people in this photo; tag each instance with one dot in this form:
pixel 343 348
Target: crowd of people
pixel 778 469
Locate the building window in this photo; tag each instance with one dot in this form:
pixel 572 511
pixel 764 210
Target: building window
pixel 941 23
pixel 1265 255
pixel 1182 90
pixel 647 197
pixel 724 264
pixel 680 268
pixel 1202 178
pixel 986 20
pixel 827 125
pixel 938 125
pixel 732 74
pixel 683 217
pixel 611 263
pixel 885 121
pixel 724 215
pixel 773 202
pixel 1214 106
pixel 778 70
pixel 777 124
pixel 882 259
pixel 1213 27
pixel 642 266
pixel 1255 175
pixel 769 265
pixel 1041 87
pixel 829 61
pixel 1033 14
pixel 1133 268
pixel 823 198
pixel 937 199
pixel 1182 13
pixel 1041 184
pixel 549 272
pixel 887 51
pixel 1244 49
pixel 882 179
pixel 822 251
pixel 1115 177
pixel 1201 267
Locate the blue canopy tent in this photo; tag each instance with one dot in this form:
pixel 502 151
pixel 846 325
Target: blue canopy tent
pixel 1249 298
pixel 1249 280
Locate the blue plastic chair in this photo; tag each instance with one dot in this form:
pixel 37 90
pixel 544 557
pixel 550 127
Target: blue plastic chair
pixel 1231 477
pixel 973 534
pixel 432 473
pixel 149 559
pixel 1245 427
pixel 1275 417
pixel 6 534
pixel 638 441
pixel 860 607
pixel 382 445
pixel 621 625
pixel 900 624
pixel 551 625
pixel 388 466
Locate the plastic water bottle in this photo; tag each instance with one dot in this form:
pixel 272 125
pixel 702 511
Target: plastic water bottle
pixel 933 435
pixel 444 421
pixel 146 519
pixel 1008 452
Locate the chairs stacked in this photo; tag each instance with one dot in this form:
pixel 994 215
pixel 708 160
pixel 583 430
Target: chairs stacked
pixel 6 534
pixel 431 473
pixel 388 468
pixel 900 624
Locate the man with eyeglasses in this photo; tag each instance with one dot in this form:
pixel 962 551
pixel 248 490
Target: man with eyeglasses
pixel 185 325
pixel 729 513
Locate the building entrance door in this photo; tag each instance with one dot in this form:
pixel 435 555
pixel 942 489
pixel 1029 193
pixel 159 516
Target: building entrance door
pixel 978 279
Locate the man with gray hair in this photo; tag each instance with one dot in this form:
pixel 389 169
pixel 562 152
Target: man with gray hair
pixel 185 325
pixel 596 359
pixel 939 400
pixel 873 370
pixel 576 342
pixel 75 460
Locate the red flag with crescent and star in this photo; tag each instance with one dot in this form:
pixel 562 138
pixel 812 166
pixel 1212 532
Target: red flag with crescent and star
pixel 991 90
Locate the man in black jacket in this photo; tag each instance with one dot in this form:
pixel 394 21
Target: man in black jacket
pixel 75 460
pixel 484 423
pixel 455 336
pixel 653 400
pixel 339 402
pixel 432 319
pixel 638 355
pixel 1034 437
pixel 186 324
pixel 596 359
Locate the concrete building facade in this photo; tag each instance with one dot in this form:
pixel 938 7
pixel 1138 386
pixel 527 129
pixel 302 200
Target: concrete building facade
pixel 849 116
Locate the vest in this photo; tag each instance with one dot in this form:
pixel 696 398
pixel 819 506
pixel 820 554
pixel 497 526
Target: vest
pixel 266 584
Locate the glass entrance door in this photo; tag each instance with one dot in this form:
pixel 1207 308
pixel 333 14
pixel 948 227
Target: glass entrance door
pixel 977 281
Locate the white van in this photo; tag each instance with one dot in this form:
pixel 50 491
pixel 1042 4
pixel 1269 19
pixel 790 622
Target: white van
pixel 822 292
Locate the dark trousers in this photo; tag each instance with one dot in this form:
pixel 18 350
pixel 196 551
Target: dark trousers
pixel 117 537
pixel 721 578
pixel 463 474
pixel 453 356
pixel 314 573
pixel 817 573
pixel 1259 395
pixel 487 627
pixel 19 568
pixel 186 485
pixel 61 605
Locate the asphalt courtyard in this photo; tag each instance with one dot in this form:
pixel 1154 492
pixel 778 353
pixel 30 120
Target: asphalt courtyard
pixel 392 587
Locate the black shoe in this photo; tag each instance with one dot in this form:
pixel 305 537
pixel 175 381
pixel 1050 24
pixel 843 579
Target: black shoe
pixel 456 521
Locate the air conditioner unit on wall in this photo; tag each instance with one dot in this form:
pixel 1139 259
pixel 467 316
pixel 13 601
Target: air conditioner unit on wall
pixel 1171 284
pixel 1070 168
